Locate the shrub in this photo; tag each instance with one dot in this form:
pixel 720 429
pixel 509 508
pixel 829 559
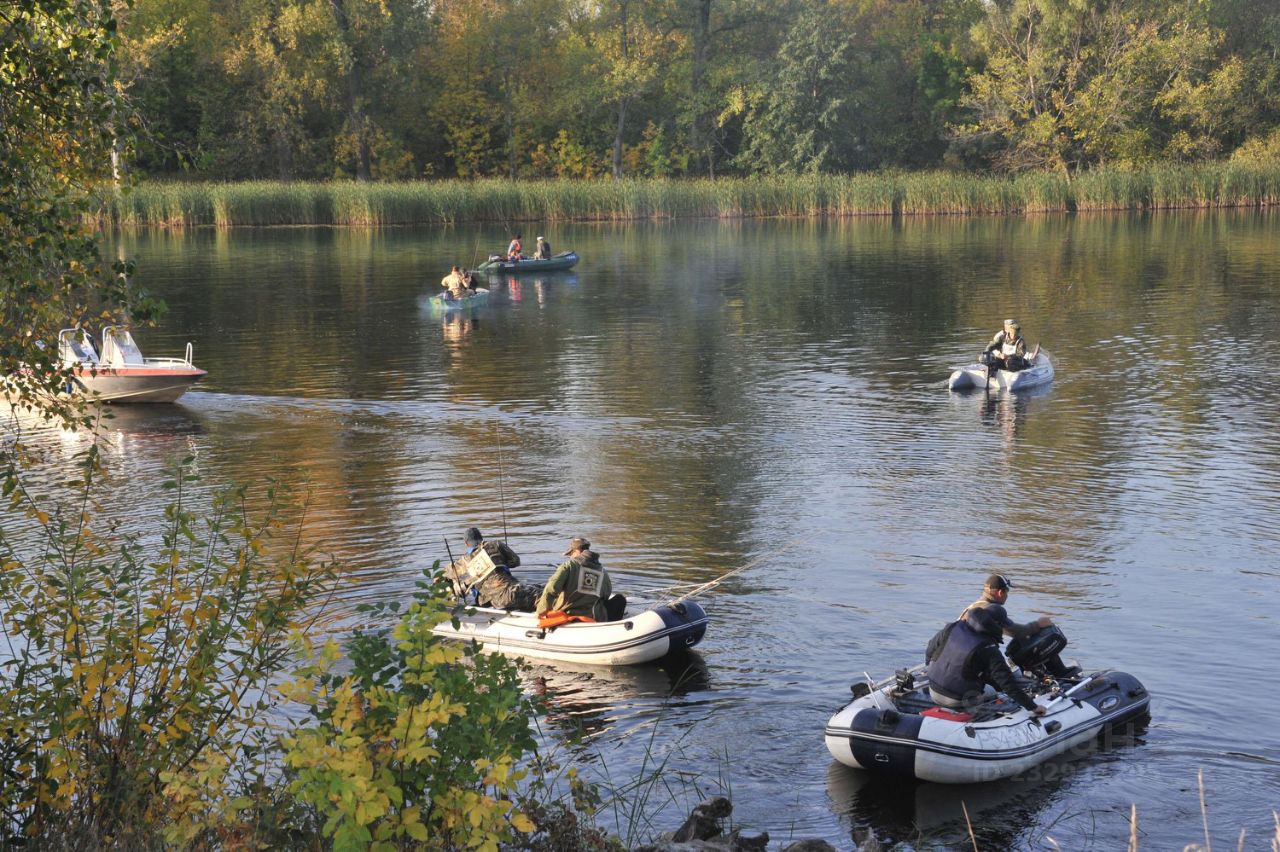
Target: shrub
pixel 422 741
pixel 135 675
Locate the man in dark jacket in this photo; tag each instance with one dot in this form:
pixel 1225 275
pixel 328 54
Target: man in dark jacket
pixel 995 592
pixel 964 658
pixel 487 569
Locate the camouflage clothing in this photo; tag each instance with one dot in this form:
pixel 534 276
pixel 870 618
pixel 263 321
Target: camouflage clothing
pixel 580 586
pixel 1007 345
pixel 500 589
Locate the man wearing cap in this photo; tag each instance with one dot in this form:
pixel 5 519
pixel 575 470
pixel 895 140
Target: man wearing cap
pixel 487 569
pixel 964 658
pixel 544 250
pixel 1007 350
pixel 995 593
pixel 580 585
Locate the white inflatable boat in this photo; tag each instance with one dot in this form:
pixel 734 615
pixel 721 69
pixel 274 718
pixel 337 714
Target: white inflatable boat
pixel 639 638
pixel 975 376
pixel 894 728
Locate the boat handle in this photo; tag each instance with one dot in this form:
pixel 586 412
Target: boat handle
pixel 535 634
pixel 881 757
pixel 189 353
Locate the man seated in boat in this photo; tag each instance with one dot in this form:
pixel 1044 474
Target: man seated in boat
pixel 964 659
pixel 486 568
pixel 544 250
pixel 455 283
pixel 1007 350
pixel 995 593
pixel 514 248
pixel 580 586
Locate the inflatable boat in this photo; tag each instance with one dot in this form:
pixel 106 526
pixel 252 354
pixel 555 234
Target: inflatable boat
pixel 975 376
pixel 895 728
pixel 478 298
pixel 632 639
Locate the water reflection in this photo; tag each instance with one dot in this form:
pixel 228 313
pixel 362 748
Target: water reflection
pixel 1005 814
pixel 591 701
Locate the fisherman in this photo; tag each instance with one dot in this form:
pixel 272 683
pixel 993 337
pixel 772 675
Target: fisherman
pixel 544 250
pixel 514 248
pixel 964 658
pixel 995 593
pixel 580 585
pixel 456 283
pixel 486 567
pixel 1007 350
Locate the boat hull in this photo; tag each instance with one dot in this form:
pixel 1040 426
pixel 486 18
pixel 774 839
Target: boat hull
pixel 1037 375
pixel 640 638
pixel 440 304
pixel 135 384
pixel 564 260
pixel 870 734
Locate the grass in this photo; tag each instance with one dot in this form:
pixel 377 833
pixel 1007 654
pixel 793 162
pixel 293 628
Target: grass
pixel 262 203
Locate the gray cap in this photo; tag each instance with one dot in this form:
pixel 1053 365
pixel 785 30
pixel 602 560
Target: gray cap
pixel 472 536
pixel 578 543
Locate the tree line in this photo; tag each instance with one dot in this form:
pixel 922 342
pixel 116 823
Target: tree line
pixel 406 89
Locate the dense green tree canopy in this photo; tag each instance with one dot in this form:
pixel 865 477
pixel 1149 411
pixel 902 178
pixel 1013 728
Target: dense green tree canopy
pixel 542 88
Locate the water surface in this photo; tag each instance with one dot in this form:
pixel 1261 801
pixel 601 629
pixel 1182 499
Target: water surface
pixel 697 396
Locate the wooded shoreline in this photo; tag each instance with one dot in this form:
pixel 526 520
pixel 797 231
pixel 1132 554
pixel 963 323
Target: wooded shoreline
pixel 890 193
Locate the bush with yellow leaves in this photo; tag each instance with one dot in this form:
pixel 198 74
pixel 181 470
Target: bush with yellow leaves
pixel 421 743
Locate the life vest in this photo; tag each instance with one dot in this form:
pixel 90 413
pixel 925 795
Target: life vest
pixel 514 249
pixel 950 672
pixel 555 618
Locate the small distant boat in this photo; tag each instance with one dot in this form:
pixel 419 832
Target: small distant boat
pixel 632 639
pixel 477 298
pixel 975 375
pixel 499 263
pixel 121 374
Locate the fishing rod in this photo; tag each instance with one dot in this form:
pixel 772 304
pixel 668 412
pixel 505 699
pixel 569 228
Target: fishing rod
pixel 502 496
pixel 791 545
pixel 454 579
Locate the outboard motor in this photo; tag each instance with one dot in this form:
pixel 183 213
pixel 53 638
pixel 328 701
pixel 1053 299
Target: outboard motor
pixel 1034 653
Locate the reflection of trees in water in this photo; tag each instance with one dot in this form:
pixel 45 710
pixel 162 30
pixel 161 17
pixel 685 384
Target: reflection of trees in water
pixel 589 701
pixel 1001 812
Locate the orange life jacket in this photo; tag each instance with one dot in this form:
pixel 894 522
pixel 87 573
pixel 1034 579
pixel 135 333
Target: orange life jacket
pixel 555 618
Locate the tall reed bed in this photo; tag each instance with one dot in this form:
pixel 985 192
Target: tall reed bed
pixel 156 204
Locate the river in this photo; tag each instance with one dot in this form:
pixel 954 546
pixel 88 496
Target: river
pixel 697 395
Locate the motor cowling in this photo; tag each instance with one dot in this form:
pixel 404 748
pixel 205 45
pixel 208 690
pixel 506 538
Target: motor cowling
pixel 1036 651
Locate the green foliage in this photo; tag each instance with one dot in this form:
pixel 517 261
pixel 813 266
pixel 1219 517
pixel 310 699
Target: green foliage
pixel 61 121
pixel 1071 85
pixel 1244 183
pixel 420 742
pixel 135 676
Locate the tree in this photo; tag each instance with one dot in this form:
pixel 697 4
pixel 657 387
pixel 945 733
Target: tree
pixel 797 118
pixel 1069 85
pixel 61 119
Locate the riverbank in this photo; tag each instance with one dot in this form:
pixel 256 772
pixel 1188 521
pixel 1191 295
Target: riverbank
pixel 265 203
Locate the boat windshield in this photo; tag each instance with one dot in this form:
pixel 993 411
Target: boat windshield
pixel 118 347
pixel 75 346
